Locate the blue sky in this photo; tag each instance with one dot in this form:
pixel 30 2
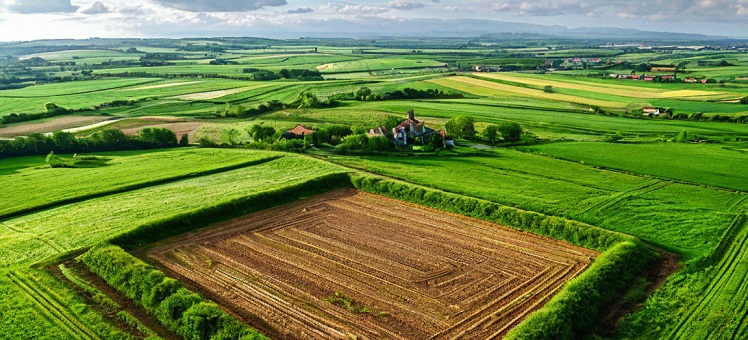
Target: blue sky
pixel 40 19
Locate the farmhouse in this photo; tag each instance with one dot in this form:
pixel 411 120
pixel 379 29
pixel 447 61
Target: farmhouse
pixel 412 128
pixel 297 133
pixel 650 111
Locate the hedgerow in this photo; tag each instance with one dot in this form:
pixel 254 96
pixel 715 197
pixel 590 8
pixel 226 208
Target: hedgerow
pixel 183 312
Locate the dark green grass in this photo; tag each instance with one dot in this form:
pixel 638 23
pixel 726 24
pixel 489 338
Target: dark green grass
pixel 697 163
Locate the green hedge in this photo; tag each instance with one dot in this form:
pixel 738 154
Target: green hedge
pixel 578 307
pixel 185 313
pixel 181 223
pixel 578 233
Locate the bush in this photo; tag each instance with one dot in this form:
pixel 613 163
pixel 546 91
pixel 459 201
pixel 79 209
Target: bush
pixel 157 137
pixel 744 100
pixel 461 127
pixel 180 310
pixel 510 132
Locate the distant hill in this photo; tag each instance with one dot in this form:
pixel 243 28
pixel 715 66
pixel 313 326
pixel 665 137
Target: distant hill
pixel 473 28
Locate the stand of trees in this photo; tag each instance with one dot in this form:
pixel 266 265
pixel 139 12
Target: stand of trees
pixel 106 140
pixel 297 74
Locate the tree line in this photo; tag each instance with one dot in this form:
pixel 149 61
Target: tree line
pixel 107 140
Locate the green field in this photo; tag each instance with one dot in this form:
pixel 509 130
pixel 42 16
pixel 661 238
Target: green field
pixel 120 173
pixel 700 164
pixel 588 157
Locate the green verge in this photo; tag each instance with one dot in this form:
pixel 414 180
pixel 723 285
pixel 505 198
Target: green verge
pixel 578 307
pixel 181 223
pixel 179 309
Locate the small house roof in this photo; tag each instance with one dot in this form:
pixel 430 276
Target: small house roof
pixel 301 131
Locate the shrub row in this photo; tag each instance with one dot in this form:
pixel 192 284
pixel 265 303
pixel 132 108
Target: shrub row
pixel 182 311
pixel 575 310
pixel 578 233
pixel 178 224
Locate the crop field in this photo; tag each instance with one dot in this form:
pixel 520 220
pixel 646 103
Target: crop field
pixel 488 88
pixel 377 64
pixel 716 166
pixel 121 172
pixel 465 278
pixel 50 125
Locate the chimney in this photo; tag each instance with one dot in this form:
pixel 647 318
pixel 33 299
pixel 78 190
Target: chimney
pixel 411 115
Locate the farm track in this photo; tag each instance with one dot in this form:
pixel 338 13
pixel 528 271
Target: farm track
pixel 51 307
pixel 726 291
pixel 432 274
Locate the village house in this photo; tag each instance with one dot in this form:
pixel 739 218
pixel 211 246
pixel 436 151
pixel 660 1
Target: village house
pixel 299 132
pixel 412 128
pixel 650 111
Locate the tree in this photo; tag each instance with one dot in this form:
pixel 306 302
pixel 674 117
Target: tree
pixel 158 137
pixel 259 132
pixel 744 100
pixel 64 142
pixel 184 140
pixel 461 127
pixel 230 136
pixel 510 132
pixel 284 73
pixel 491 133
pixel 362 93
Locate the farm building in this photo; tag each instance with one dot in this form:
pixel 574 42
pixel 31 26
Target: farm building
pixel 297 133
pixel 650 111
pixel 412 128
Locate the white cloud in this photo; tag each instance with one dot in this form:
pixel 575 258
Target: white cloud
pixel 406 5
pixel 42 6
pixel 96 8
pixel 220 5
pixel 301 10
pixel 350 9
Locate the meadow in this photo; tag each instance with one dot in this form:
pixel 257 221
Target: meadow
pixel 121 172
pixel 693 163
pixel 689 198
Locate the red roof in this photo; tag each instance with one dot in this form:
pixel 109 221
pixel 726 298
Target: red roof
pixel 301 131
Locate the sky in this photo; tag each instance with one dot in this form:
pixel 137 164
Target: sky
pixel 55 19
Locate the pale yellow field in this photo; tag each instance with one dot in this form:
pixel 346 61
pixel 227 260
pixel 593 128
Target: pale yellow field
pixel 689 93
pixel 619 90
pixel 159 86
pixel 488 88
pixel 217 94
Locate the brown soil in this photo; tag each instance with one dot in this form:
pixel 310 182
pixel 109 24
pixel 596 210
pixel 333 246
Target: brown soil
pixel 422 272
pixel 126 304
pixel 655 275
pixel 50 126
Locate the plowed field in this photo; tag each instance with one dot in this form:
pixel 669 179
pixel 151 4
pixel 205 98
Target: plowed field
pixel 421 273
